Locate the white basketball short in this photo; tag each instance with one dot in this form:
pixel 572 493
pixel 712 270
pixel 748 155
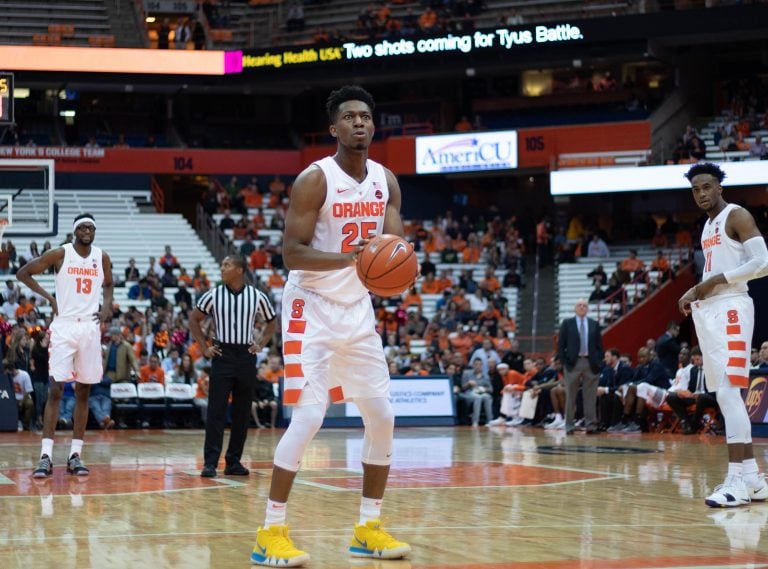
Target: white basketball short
pixel 331 351
pixel 75 351
pixel 724 326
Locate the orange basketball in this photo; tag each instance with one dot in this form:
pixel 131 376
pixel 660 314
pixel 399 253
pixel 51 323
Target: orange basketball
pixel 387 265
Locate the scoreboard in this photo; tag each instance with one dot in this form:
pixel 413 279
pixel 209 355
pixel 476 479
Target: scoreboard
pixel 6 98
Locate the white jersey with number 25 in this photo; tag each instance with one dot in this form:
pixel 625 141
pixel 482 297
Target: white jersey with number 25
pixel 79 282
pixel 352 211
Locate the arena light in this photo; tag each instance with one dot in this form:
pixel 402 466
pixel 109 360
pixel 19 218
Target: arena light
pixel 119 60
pixel 648 178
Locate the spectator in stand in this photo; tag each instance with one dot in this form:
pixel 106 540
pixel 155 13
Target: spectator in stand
pixel 410 23
pixel 449 254
pixel 182 297
pixel 514 358
pixel 486 353
pixel 92 143
pixel 182 34
pixel 428 21
pixel 198 35
pixel 154 268
pixel 275 279
pixel 227 222
pixel 597 275
pixel 152 372
pixel 140 290
pixel 247 247
pixel 201 394
pixel 661 264
pixel 168 261
pixel 294 21
pixel 427 266
pixel 758 148
pixel 477 302
pixel 210 199
pixel 412 298
pixel 22 387
pixel 597 247
pixel 490 283
pixel 762 357
pixel 131 271
pixel 100 403
pixel 119 362
pixel 463 125
pixel 263 399
pixel 162 34
pixel 633 265
pixel 476 390
pixel 259 258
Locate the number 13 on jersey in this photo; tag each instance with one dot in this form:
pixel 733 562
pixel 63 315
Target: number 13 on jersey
pixel 84 285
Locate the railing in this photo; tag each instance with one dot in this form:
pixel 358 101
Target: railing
pixel 158 196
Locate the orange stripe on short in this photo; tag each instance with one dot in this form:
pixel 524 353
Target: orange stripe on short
pixel 733 329
pixel 293 370
pixel 733 345
pixel 292 347
pixel 291 396
pixel 739 380
pixel 297 326
pixel 736 362
pixel 336 393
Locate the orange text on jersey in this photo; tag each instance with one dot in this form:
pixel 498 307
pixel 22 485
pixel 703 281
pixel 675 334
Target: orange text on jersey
pixel 358 209
pixel 711 241
pixel 83 271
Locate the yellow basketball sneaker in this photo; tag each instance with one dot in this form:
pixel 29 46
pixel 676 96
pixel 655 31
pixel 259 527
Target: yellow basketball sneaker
pixel 370 540
pixel 275 549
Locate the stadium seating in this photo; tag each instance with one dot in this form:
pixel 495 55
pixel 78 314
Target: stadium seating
pixel 572 283
pixel 707 134
pixel 55 23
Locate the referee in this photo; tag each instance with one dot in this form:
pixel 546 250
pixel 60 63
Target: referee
pixel 234 306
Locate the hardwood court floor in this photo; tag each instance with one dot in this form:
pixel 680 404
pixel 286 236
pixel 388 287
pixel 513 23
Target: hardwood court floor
pixel 463 498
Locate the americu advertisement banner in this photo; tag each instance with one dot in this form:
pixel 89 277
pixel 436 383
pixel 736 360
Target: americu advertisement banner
pixel 466 152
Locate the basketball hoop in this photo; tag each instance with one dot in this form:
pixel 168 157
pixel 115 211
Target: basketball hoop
pixel 4 224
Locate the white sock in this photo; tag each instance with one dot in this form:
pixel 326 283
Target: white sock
pixel 77 447
pixel 47 448
pixel 735 469
pixel 558 417
pixel 370 509
pixel 750 472
pixel 276 512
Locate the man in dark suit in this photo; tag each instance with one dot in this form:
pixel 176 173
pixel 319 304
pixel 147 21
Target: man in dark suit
pixel 668 348
pixel 696 392
pixel 614 373
pixel 580 348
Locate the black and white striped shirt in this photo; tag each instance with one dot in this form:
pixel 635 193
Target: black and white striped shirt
pixel 234 313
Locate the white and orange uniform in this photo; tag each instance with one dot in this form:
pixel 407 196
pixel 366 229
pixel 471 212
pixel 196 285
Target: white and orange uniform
pixel 724 321
pixel 330 345
pixel 75 347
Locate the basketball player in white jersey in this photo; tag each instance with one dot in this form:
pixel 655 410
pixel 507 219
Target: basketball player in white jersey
pixel 82 271
pixel 724 315
pixel 331 349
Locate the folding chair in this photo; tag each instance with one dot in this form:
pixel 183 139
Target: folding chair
pixel 125 400
pixel 151 401
pixel 179 402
